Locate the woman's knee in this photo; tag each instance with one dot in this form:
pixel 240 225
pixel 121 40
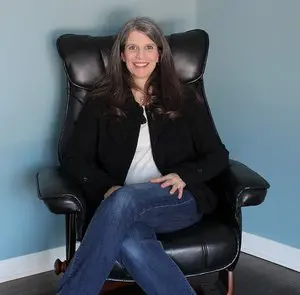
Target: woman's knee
pixel 122 200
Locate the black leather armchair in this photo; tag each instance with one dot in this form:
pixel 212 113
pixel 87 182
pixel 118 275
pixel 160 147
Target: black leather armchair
pixel 211 246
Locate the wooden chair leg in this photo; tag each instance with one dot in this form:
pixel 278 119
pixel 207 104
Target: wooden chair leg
pixel 226 277
pixel 70 223
pixel 230 283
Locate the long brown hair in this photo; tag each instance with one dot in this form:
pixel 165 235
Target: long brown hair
pixel 166 88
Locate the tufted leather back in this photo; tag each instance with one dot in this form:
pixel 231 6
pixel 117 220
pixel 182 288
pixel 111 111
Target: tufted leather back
pixel 85 59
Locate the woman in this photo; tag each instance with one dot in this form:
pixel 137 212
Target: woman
pixel 142 149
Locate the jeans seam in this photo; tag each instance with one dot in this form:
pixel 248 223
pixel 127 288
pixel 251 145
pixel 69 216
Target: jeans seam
pixel 162 206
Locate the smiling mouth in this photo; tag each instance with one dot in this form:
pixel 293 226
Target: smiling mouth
pixel 141 64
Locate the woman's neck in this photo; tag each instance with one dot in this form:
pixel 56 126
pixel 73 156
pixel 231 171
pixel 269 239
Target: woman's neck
pixel 139 91
pixel 140 84
pixel 139 96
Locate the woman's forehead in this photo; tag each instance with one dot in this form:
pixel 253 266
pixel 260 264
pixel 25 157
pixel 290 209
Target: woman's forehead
pixel 138 37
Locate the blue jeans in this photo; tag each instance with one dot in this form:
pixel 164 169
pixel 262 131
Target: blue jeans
pixel 123 228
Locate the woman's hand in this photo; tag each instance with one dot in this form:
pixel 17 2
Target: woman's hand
pixel 111 190
pixel 173 180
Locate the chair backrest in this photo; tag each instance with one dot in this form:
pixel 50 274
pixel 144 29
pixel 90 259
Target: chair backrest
pixel 85 59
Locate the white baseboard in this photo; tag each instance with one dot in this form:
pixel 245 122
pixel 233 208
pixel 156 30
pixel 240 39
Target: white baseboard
pixel 272 251
pixel 31 264
pixel 27 265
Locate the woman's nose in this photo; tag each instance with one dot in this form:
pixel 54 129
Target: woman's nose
pixel 141 53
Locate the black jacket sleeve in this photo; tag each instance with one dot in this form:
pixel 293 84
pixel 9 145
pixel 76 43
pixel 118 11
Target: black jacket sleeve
pixel 80 158
pixel 212 155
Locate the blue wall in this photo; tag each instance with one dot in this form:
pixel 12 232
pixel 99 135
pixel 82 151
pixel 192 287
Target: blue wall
pixel 252 82
pixel 32 92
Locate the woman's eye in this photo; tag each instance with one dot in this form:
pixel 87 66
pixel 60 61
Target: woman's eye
pixel 149 47
pixel 131 47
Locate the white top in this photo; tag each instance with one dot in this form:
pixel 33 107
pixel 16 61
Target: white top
pixel 142 167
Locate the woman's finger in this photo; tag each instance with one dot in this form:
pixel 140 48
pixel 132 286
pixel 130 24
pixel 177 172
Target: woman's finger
pixel 166 184
pixel 156 180
pixel 174 188
pixel 180 192
pixel 160 179
pixel 169 182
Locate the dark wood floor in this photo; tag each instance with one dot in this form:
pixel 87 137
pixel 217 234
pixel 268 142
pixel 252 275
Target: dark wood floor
pixel 253 276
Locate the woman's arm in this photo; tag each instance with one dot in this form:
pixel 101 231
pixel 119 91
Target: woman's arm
pixel 213 156
pixel 79 160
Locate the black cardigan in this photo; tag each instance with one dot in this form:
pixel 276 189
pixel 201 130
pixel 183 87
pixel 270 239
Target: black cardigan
pixel 101 148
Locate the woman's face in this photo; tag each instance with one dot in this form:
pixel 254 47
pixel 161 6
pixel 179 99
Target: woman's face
pixel 140 55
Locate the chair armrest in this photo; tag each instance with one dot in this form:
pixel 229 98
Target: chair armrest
pixel 243 186
pixel 58 193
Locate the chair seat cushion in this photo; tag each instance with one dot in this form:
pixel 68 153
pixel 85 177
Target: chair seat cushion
pixel 207 246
